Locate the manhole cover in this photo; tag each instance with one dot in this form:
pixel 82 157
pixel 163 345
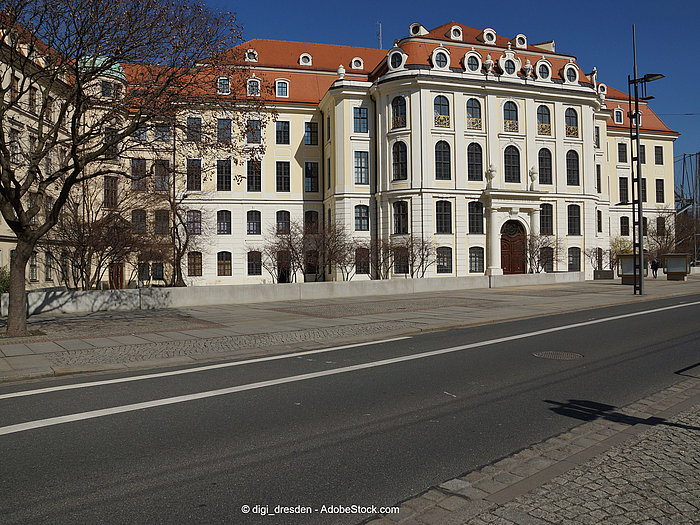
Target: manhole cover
pixel 561 356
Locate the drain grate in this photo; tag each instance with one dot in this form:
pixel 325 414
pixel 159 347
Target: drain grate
pixel 561 356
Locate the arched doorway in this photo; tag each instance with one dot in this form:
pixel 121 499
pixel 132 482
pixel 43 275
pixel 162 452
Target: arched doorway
pixel 513 241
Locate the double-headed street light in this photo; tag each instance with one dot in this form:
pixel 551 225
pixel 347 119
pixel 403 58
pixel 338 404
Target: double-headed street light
pixel 637 212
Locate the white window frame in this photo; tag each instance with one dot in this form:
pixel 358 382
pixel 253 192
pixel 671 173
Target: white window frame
pixel 354 60
pixel 219 91
pixel 476 55
pixel 253 92
pixel 446 52
pixel 278 82
pixel 304 56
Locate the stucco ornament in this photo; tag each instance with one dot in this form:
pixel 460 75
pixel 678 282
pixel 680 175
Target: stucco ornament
pixel 488 64
pixel 341 71
pixel 490 175
pixel 533 177
pixel 527 68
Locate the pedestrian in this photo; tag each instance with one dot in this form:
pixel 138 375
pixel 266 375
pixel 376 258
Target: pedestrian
pixel 654 267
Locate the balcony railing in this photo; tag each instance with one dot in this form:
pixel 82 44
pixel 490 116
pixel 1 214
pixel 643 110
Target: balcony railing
pixel 473 122
pixel 544 129
pixel 442 121
pixel 510 125
pixel 398 121
pixel 572 131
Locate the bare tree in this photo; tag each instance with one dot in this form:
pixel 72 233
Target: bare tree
pixel 542 251
pixel 619 246
pixel 90 73
pixel 661 234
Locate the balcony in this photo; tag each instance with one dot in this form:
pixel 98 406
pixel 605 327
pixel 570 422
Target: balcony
pixel 510 125
pixel 398 121
pixel 473 122
pixel 544 129
pixel 572 131
pixel 442 121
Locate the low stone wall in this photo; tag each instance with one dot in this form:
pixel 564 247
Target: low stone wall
pixel 154 298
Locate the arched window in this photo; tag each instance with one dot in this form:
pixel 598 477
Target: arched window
pixel 254 263
pixel 442 161
pixel 223 263
pixel 510 117
pixel 571 120
pixel 572 170
pixel 511 158
pixel 544 164
pixel 401 217
pixel 253 88
pixel 443 217
pixel 283 222
pixel 398 113
pixel 544 122
pixel 223 222
pixel 476 217
pixel 253 222
pixel 282 88
pixel 546 219
pixel 311 221
pixel 361 218
pixel 475 170
pixel 624 226
pixel 441 109
pixel 574 260
pixel 443 260
pixel 473 114
pixel 223 85
pixel 574 219
pixel 194 264
pixel 400 164
pixel 476 259
pixel 362 260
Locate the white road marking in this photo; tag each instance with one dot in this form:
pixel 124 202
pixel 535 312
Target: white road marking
pixel 21 427
pixel 191 370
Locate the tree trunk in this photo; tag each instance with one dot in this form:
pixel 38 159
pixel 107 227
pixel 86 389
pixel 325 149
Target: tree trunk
pixel 17 311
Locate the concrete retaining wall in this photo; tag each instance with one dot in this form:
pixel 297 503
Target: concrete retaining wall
pixel 154 298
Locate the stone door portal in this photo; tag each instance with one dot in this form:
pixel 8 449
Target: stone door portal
pixel 513 241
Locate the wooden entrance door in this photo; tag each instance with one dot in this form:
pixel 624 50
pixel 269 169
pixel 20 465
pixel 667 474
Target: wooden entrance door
pixel 116 276
pixel 513 241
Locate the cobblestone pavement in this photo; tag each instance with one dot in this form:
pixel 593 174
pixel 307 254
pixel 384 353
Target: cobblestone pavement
pixel 636 465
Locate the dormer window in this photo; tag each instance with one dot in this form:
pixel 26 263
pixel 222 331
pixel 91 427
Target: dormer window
pixel 357 63
pixel 510 67
pixel 305 59
pixel 253 87
pixel 251 55
pixel 282 88
pixel 456 33
pixel 396 60
pixel 441 59
pixel 543 71
pixel 618 116
pixel 521 41
pixel 223 86
pixel 489 36
pixel 571 74
pixel 472 62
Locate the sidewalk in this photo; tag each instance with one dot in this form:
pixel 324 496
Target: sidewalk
pixel 66 344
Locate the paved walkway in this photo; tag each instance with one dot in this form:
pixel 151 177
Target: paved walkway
pixel 634 465
pixel 65 344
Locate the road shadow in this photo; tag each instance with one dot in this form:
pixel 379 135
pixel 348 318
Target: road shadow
pixel 590 411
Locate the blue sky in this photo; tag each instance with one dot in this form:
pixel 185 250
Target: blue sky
pixel 598 33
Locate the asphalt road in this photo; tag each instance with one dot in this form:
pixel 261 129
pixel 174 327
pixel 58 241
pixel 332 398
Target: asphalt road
pixel 329 428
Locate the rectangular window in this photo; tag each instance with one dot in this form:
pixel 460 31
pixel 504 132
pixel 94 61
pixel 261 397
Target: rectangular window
pixel 311 176
pixel 361 167
pixel 596 137
pixel 161 171
pixel 162 222
pixel 33 267
pixel 254 263
pixel 645 226
pixel 282 89
pixel 660 226
pixel 144 271
pixel 162 132
pixel 311 134
pixel 223 175
pixel 138 221
pixel 32 100
pixel 621 152
pixel 476 260
pixel 574 220
pixel 660 190
pixel 282 176
pixel 111 144
pixel 111 192
pixel 194 222
pixel 282 132
pixel 138 174
pixel 644 190
pixel 642 154
pixel 254 135
pixel 194 175
pixel 328 172
pixel 194 264
pixel 598 179
pixel 328 128
pixel 254 175
pixel 223 131
pixel 157 271
pixel 659 155
pixel 48 272
pixel 624 190
pixel 139 134
pixel 624 226
pixel 360 120
pixel 599 221
pixel 401 261
pixel 361 260
pixel 194 129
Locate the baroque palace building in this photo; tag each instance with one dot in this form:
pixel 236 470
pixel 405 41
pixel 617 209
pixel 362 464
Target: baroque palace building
pixel 465 139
